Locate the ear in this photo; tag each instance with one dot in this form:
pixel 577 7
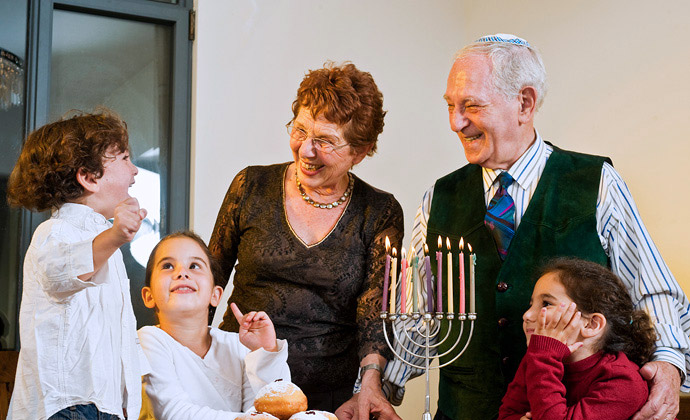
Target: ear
pixel 87 180
pixel 216 295
pixel 594 326
pixel 528 104
pixel 361 153
pixel 147 296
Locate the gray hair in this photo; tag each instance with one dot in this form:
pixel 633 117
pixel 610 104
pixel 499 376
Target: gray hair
pixel 513 67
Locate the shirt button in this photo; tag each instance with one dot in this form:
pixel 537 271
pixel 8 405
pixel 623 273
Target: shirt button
pixel 502 286
pixel 505 360
pixel 502 322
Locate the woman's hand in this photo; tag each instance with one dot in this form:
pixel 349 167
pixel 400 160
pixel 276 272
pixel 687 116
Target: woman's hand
pixel 256 330
pixel 563 325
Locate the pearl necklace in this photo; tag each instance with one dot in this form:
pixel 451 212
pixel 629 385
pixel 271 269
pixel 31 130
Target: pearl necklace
pixel 334 204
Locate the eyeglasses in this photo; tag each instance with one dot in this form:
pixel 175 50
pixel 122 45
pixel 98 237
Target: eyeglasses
pixel 322 145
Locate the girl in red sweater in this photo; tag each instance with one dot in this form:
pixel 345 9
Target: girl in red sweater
pixel 585 343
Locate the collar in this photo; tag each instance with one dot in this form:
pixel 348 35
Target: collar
pixel 520 171
pixel 80 215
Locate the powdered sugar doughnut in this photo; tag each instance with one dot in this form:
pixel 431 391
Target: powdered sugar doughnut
pixel 313 415
pixel 280 398
pixel 256 416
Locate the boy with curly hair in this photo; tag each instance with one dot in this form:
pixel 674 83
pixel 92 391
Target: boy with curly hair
pixel 80 354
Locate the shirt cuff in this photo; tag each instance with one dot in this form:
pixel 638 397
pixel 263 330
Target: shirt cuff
pixel 674 357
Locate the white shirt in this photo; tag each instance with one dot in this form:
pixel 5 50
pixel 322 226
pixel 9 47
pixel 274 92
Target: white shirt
pixel 633 256
pixel 78 338
pixel 222 384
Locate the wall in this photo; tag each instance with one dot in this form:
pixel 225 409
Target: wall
pixel 617 86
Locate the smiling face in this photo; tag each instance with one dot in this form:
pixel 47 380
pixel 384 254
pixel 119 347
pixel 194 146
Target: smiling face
pixel 489 125
pixel 181 281
pixel 316 169
pixel 548 293
pixel 113 186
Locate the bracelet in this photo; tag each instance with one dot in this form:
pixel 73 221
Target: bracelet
pixel 374 366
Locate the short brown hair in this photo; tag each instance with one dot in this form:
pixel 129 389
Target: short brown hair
pixel 595 288
pixel 45 175
pixel 345 96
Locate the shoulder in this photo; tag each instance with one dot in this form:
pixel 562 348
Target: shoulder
pixel 257 172
pixel 382 203
pixel 617 366
pixel 578 158
pixel 151 337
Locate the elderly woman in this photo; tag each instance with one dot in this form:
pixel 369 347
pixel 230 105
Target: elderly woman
pixel 308 239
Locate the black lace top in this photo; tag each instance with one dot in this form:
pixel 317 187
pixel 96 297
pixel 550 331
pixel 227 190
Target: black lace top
pixel 325 299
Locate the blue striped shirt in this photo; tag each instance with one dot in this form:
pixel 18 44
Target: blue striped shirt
pixel 633 256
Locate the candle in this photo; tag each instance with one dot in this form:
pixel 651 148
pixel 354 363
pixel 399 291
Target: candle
pixel 450 277
pixel 461 268
pixel 439 276
pixel 415 281
pixel 386 272
pixel 403 282
pixel 394 280
pixel 473 261
pixel 427 268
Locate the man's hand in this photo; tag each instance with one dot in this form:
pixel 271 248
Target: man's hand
pixel 664 382
pixel 368 403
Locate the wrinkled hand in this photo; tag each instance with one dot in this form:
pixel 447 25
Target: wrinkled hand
pixel 563 325
pixel 127 219
pixel 664 382
pixel 256 330
pixel 369 402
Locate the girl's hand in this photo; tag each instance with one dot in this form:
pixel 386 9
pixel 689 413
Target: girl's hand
pixel 527 416
pixel 563 325
pixel 256 330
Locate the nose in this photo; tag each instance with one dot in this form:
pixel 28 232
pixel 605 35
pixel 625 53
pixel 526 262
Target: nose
pixel 135 170
pixel 307 149
pixel 529 315
pixel 458 121
pixel 181 273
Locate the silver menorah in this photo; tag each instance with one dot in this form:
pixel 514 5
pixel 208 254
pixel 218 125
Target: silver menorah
pixel 428 329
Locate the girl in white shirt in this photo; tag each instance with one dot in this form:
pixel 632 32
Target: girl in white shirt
pixel 198 371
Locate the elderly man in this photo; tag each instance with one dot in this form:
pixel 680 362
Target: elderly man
pixel 552 203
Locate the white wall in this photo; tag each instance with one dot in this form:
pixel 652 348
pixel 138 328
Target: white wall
pixel 618 76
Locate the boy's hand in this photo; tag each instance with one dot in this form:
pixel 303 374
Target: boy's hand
pixel 563 325
pixel 256 330
pixel 127 219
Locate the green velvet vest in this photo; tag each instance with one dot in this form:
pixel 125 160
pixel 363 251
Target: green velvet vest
pixel 559 221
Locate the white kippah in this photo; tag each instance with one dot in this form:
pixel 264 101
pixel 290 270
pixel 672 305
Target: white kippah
pixel 511 39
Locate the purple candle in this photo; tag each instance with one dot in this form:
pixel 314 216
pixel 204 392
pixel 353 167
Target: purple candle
pixel 439 276
pixel 403 282
pixel 386 272
pixel 462 277
pixel 429 291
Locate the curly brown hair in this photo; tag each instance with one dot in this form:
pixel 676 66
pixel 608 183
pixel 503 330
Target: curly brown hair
pixel 345 96
pixel 595 288
pixel 45 175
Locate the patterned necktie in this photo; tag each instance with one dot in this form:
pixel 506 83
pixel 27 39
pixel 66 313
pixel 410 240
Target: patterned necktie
pixel 500 215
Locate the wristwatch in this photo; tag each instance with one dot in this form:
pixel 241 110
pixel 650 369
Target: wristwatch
pixel 370 366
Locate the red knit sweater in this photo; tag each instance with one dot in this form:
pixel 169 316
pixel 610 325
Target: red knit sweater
pixel 602 386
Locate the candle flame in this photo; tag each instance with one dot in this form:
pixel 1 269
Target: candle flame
pixel 426 249
pixel 388 245
pixel 469 247
pixel 448 243
pixel 411 253
pixel 462 242
pixel 395 253
pixel 403 253
pixel 440 243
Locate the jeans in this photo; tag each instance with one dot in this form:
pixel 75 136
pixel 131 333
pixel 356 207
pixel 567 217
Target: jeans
pixel 82 412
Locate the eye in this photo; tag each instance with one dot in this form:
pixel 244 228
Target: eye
pixel 545 303
pixel 194 266
pixel 166 266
